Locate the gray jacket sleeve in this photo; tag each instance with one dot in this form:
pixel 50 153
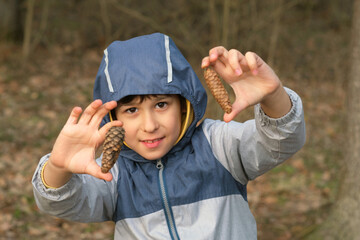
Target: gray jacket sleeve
pixel 84 198
pixel 249 149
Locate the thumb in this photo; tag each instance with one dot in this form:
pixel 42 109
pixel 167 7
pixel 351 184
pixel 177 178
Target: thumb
pixel 95 171
pixel 104 129
pixel 237 107
pixel 116 123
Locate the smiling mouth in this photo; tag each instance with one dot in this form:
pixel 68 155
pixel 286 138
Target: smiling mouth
pixel 152 143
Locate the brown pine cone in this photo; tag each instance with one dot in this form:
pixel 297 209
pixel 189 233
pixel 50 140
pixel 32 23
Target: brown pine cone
pixel 112 145
pixel 217 89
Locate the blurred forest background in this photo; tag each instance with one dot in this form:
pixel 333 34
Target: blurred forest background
pixel 50 52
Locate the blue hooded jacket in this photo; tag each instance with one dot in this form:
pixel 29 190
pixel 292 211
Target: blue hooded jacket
pixel 198 189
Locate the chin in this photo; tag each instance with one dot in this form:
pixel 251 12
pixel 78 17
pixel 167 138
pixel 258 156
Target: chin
pixel 152 156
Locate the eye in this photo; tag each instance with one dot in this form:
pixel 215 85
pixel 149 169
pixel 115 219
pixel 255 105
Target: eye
pixel 131 110
pixel 161 104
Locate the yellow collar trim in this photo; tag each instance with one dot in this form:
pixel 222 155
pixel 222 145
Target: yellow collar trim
pixel 186 123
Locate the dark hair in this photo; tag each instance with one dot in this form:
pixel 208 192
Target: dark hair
pixel 130 98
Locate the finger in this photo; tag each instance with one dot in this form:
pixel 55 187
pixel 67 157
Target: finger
pixel 74 115
pixel 237 61
pixel 95 170
pixel 90 111
pixel 237 107
pixel 218 55
pixel 205 62
pixel 254 62
pixel 101 112
pixel 104 129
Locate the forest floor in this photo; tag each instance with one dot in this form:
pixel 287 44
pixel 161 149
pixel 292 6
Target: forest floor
pixel 36 97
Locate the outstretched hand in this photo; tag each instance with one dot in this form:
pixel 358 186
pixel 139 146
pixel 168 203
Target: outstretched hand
pixel 252 80
pixel 74 149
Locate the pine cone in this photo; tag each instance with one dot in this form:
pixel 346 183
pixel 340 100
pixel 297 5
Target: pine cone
pixel 217 89
pixel 113 142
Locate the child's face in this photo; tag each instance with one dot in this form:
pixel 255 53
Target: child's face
pixel 152 126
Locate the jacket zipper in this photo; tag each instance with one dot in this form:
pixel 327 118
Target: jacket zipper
pixel 167 208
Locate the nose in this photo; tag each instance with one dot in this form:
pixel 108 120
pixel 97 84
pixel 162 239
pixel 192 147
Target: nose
pixel 149 122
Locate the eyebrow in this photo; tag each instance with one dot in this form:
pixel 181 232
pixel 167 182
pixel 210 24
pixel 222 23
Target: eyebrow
pixel 161 97
pixel 157 98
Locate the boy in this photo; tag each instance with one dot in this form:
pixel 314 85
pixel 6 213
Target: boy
pixel 174 179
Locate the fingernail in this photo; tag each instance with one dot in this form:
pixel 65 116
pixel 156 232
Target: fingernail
pixel 212 56
pixel 238 72
pixel 203 64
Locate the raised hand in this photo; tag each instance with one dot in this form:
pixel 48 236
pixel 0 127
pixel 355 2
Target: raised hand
pixel 252 80
pixel 74 149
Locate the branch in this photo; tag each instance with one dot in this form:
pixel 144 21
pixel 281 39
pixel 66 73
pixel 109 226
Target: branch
pixel 157 27
pixel 138 16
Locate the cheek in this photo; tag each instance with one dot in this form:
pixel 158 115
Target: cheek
pixel 129 131
pixel 176 123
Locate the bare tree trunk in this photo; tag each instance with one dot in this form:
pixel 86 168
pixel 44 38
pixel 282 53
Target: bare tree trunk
pixel 213 23
pixel 10 20
pixel 40 36
pixel 225 27
pixel 28 28
pixel 275 32
pixel 106 20
pixel 344 220
pixel 254 15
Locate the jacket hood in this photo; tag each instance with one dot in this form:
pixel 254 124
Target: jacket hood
pixel 149 64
